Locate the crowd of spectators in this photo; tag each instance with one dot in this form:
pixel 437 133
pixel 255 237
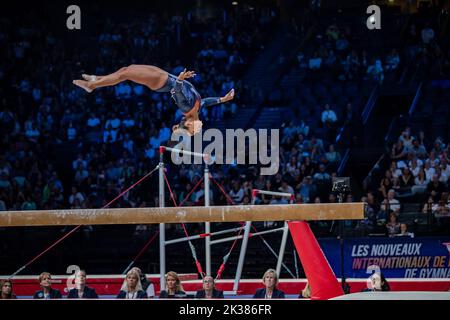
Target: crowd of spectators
pixel 418 172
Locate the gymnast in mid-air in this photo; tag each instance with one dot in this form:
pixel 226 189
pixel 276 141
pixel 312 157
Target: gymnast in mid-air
pixel 183 92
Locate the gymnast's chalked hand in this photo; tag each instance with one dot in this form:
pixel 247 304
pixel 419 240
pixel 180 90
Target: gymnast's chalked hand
pixel 229 96
pixel 186 75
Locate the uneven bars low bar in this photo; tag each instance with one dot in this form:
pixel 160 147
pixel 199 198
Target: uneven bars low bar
pixel 198 236
pixel 251 235
pixel 272 193
pixel 173 150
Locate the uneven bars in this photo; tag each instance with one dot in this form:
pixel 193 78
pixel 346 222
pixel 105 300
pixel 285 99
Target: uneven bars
pixel 203 235
pixel 250 235
pixel 162 149
pixel 255 192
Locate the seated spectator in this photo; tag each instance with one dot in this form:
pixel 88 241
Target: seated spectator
pixel 396 185
pixel 305 189
pixel 322 180
pixel 128 144
pixel 445 169
pixel 128 122
pixel 306 292
pixel 375 71
pixel 435 188
pixel 428 205
pixel 47 292
pixel 377 283
pixel 7 289
pixel 71 132
pixel 81 174
pixel 406 180
pixel 406 138
pixel 81 290
pixel 442 176
pixel 209 291
pixel 398 151
pixel 147 285
pixel 113 122
pixel 332 32
pixel 427 34
pixel 109 135
pixel 430 171
pixel 315 62
pixel 390 203
pixel 286 188
pixel 174 288
pixel 276 200
pixel 75 195
pixel 392 60
pixel 93 121
pixel 292 167
pixel 332 155
pixel 420 183
pixel 79 161
pixel 237 193
pixel 404 231
pixel 442 208
pixel 33 133
pixel 414 165
pixel 418 149
pixel 393 227
pixel 329 117
pixel 29 203
pixel 132 287
pixel 270 281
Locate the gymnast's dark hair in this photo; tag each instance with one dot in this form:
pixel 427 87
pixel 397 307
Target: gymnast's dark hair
pixel 385 285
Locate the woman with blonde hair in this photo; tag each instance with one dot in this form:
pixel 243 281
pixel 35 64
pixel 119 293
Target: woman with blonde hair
pixel 47 292
pixel 174 288
pixel 132 287
pixel 270 281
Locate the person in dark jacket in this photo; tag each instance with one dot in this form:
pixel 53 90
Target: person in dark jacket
pixel 270 281
pixel 377 282
pixel 132 287
pixel 174 288
pixel 47 292
pixel 147 285
pixel 209 291
pixel 81 291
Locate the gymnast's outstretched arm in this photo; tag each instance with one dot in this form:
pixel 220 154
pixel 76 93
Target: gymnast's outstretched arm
pixel 211 101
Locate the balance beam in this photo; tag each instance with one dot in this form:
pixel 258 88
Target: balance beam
pixel 335 211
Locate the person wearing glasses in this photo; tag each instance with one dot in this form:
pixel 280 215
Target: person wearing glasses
pixel 209 291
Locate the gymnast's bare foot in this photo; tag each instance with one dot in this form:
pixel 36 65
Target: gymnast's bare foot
pixel 86 85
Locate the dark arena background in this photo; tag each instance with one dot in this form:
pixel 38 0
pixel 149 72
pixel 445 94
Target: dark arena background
pixel 371 104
